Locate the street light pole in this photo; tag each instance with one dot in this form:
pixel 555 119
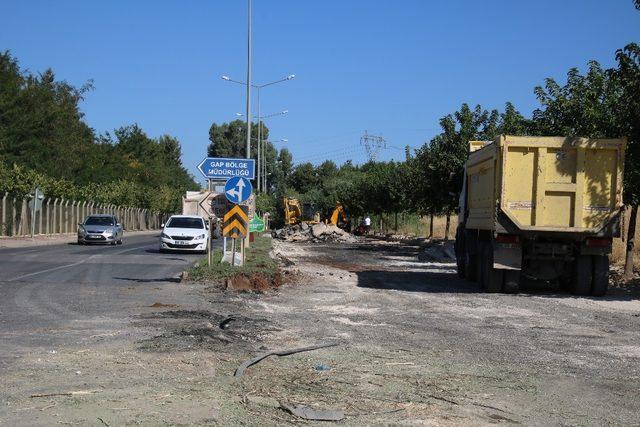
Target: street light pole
pixel 249 81
pixel 261 152
pixel 259 137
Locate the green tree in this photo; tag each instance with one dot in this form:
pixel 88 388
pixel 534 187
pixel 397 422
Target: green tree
pixel 44 141
pixel 628 77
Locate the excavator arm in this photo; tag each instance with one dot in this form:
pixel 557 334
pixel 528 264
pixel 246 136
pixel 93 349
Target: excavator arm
pixel 338 214
pixel 292 211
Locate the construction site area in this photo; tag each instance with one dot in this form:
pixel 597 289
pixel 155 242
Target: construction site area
pixel 392 336
pixel 260 213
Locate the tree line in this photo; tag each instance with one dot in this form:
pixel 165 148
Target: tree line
pixel 45 141
pixel 599 103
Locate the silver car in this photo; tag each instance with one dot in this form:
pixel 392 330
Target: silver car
pixel 100 229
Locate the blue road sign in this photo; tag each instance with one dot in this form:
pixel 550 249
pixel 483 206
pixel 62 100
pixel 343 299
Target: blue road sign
pixel 223 168
pixel 238 189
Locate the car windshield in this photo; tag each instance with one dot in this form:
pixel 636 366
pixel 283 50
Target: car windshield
pixel 185 223
pixel 99 220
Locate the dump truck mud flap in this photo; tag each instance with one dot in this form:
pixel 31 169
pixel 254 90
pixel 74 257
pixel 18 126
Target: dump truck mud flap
pixel 507 256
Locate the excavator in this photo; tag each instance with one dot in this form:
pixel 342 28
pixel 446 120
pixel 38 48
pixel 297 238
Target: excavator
pixel 339 217
pixel 294 213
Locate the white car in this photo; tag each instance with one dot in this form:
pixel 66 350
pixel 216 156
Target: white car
pixel 184 233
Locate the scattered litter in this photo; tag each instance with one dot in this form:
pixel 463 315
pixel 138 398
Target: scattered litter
pixel 308 413
pixel 161 305
pixel 316 233
pixel 78 373
pixel 52 352
pixel 262 356
pixel 224 324
pixel 321 367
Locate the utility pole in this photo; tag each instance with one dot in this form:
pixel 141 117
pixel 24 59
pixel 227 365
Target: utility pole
pixel 249 81
pixel 372 144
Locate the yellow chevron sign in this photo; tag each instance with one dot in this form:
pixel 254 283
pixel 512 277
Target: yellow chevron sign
pixel 235 222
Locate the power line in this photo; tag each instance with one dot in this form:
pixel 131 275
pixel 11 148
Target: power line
pixel 373 144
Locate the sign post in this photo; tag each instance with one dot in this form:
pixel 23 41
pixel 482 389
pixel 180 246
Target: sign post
pixel 256 225
pixel 224 168
pixel 235 225
pixel 238 189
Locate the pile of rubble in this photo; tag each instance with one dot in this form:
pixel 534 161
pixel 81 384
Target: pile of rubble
pixel 314 233
pixel 437 251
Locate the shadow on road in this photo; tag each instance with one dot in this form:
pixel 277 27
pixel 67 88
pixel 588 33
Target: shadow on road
pixel 415 281
pixel 446 282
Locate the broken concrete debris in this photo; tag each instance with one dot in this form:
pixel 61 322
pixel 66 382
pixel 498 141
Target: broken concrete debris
pixel 321 232
pixel 438 252
pixel 308 413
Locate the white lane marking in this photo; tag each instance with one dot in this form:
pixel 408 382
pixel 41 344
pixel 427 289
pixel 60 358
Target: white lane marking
pixel 24 276
pixel 136 248
pixel 51 269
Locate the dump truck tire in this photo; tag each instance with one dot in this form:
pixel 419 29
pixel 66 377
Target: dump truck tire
pixel 471 257
pixel 492 278
pixel 583 275
pixel 460 253
pixel 511 281
pixel 600 275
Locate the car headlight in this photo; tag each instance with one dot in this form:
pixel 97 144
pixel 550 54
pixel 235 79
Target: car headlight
pixel 164 236
pixel 82 231
pixel 200 237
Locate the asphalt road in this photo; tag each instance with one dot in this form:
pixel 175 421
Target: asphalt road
pixel 55 295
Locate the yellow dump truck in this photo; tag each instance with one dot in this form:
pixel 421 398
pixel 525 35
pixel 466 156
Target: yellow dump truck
pixel 540 208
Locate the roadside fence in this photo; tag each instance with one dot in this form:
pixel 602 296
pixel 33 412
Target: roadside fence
pixel 60 216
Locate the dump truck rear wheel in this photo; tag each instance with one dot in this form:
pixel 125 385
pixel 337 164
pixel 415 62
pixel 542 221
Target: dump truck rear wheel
pixel 460 253
pixel 511 281
pixel 492 278
pixel 583 275
pixel 471 258
pixel 600 275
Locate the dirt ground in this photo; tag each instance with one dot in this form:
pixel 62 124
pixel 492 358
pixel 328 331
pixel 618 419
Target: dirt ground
pixel 415 346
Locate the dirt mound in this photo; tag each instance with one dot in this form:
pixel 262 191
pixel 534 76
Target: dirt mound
pixel 314 233
pixel 253 283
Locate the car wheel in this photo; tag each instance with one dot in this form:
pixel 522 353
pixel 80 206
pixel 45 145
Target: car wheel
pixel 120 241
pixel 80 242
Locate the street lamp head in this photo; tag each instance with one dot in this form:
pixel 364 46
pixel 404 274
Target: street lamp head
pixel 284 140
pixel 227 78
pixel 284 111
pixel 291 76
pixel 239 114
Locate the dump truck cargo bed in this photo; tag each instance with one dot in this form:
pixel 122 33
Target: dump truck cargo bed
pixel 546 183
pixel 540 208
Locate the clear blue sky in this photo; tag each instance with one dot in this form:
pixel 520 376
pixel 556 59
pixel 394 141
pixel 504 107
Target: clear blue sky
pixel 391 67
